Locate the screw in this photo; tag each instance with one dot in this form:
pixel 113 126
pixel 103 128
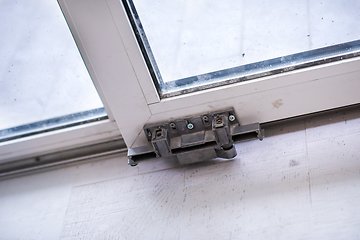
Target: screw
pixel 190 126
pixel 172 125
pixel 131 162
pixel 232 118
pixel 205 118
pixel 158 133
pixel 219 120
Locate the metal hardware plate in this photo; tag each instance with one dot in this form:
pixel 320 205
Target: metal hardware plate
pixel 196 138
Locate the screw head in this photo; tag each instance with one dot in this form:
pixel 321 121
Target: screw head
pixel 231 118
pixel 205 118
pixel 158 133
pixel 172 125
pixel 190 126
pixel 133 164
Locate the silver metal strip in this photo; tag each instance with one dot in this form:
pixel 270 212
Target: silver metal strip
pixel 62 158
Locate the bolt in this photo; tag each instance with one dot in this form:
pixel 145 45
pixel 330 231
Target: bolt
pixel 232 118
pixel 190 126
pixel 172 125
pixel 205 118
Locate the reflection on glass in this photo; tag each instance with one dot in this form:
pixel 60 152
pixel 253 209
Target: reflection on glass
pixel 197 43
pixel 42 74
pixel 52 124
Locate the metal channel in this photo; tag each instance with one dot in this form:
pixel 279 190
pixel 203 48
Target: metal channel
pixel 107 148
pixel 62 158
pixel 264 68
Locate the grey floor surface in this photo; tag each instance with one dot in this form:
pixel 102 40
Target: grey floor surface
pixel 301 182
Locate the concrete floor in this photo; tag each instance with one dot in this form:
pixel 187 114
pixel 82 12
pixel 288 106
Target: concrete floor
pixel 301 182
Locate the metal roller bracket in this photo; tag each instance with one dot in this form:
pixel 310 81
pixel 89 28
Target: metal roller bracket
pixel 196 138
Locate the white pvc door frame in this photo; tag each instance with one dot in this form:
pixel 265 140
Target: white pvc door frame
pixel 109 48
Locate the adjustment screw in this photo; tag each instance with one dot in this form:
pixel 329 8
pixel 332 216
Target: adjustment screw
pixel 172 125
pixel 158 133
pixel 232 118
pixel 190 126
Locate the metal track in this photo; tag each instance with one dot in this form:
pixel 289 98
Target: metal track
pixel 115 146
pixel 62 158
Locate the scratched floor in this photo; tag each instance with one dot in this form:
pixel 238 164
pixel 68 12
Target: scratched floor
pixel 301 182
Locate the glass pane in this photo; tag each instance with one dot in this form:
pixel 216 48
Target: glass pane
pixel 42 74
pixel 194 45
